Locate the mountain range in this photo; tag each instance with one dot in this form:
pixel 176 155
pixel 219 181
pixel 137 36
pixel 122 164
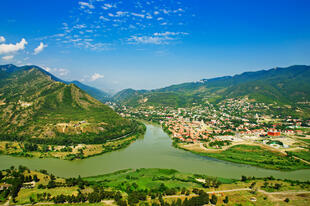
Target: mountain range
pixel 288 86
pixel 40 107
pixel 35 104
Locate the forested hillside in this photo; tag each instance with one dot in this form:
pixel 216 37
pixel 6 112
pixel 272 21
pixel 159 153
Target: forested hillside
pixel 37 106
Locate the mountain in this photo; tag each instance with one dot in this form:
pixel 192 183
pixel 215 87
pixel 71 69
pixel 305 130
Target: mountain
pixel 92 91
pixel 282 86
pixel 128 95
pixel 38 106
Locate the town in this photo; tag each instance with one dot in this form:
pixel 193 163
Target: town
pixel 212 128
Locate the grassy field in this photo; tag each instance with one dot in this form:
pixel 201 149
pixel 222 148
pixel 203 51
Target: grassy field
pixel 302 154
pixel 168 184
pixel 55 151
pixel 306 140
pixel 25 194
pixel 257 156
pixel 144 178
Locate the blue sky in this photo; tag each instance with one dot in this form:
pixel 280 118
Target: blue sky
pixel 148 44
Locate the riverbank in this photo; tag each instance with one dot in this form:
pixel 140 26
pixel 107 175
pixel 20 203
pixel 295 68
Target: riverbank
pixel 147 187
pixel 253 155
pixel 249 154
pixel 73 152
pixel 154 150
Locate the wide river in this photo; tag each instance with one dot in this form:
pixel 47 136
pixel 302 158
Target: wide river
pixel 155 150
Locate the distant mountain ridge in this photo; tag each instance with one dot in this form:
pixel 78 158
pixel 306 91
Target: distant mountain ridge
pixel 40 107
pixel 278 85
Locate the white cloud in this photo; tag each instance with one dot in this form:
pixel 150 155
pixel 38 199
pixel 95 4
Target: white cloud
pixel 80 26
pixel 149 16
pixel 9 48
pixel 121 13
pixel 96 76
pixel 83 5
pixel 2 39
pixel 63 72
pixel 103 18
pixel 156 38
pixel 6 58
pixel 39 48
pixel 108 5
pixel 169 33
pixel 138 15
pixel 146 40
pixel 110 17
pixel 56 71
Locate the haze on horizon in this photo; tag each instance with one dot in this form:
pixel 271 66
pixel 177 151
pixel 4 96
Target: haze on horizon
pixel 150 44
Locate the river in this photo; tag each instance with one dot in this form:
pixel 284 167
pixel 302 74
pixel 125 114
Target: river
pixel 155 150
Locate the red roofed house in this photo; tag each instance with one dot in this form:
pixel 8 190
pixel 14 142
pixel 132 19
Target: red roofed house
pixel 273 132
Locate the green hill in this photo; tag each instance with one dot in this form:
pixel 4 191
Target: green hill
pixel 94 92
pixel 281 86
pixel 37 106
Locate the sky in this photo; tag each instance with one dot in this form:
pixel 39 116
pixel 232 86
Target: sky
pixel 148 44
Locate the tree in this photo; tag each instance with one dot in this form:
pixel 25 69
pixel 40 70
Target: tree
pixel 203 197
pixel 35 178
pixel 243 178
pixel 52 177
pixel 118 196
pixel 179 202
pixel 51 184
pixel 252 185
pixel 226 200
pixel 31 199
pixel 213 199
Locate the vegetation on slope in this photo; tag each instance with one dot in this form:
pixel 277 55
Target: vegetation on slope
pixel 94 92
pixel 280 86
pixel 36 108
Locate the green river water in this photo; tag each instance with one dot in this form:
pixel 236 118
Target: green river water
pixel 155 150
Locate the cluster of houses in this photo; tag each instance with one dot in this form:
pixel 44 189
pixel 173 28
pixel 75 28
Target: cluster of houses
pixel 198 130
pixel 240 117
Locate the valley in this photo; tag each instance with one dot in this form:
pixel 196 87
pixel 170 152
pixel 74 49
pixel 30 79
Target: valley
pixel 216 140
pixel 154 150
pixel 237 130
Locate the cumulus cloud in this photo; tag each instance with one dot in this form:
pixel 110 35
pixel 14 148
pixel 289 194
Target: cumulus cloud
pixel 6 58
pixel 39 48
pixel 96 76
pixel 9 48
pixel 56 71
pixel 2 39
